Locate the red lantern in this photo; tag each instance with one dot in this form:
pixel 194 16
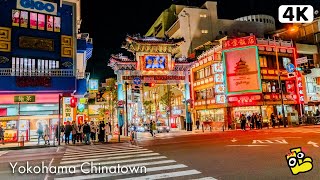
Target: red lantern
pixel 73 102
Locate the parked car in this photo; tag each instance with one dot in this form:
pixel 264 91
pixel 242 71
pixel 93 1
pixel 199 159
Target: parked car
pixel 161 127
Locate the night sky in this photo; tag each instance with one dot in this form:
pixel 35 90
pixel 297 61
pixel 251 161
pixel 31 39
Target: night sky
pixel 108 25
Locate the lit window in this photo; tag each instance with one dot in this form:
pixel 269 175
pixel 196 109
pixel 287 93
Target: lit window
pixel 204 31
pixel 203 15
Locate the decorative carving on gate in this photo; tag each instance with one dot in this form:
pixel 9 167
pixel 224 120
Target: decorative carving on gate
pixel 66 46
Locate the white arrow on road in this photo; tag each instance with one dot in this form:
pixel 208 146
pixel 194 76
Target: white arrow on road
pixel 233 140
pixel 313 144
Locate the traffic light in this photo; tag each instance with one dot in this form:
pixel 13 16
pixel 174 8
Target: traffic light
pixel 73 102
pixel 149 84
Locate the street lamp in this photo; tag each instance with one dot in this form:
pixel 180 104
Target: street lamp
pixel 155 105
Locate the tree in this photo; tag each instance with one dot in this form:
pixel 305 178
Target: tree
pixel 147 105
pixel 166 99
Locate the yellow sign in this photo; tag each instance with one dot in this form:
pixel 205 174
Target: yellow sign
pixel 67 110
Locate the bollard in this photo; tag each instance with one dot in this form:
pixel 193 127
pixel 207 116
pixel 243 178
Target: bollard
pixel 202 128
pixel 210 129
pixel 21 143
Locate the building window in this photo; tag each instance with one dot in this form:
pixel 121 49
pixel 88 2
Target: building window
pixel 204 31
pixel 203 15
pixel 27 66
pixel 263 61
pixel 207 71
pixel 311 85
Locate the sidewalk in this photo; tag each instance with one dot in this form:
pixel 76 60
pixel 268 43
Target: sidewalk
pixel 34 144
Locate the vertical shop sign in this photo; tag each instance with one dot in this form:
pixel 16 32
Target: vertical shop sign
pixel 300 88
pixel 67 110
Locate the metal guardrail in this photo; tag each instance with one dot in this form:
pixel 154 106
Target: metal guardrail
pixel 47 72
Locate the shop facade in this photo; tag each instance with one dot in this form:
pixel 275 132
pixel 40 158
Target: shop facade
pixel 37 67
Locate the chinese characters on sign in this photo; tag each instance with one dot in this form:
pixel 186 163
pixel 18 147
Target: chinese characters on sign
pixel 67 110
pixel 300 88
pixel 239 42
pixel 155 77
pixel 245 99
pixel 25 98
pixel 242 70
pixel 33 81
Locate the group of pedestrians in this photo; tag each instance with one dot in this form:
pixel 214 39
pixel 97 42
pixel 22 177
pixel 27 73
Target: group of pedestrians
pixel 43 133
pixel 83 133
pixel 254 121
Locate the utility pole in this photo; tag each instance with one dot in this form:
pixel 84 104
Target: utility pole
pixel 127 125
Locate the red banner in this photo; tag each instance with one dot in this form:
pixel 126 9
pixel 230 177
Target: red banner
pixel 239 42
pixel 290 87
pixel 300 88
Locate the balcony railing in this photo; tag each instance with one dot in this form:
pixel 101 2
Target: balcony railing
pixel 44 72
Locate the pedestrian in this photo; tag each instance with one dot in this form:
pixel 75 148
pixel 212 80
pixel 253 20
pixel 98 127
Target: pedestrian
pixel 154 129
pixel 197 123
pixel 86 132
pixel 67 132
pixel 2 134
pixel 151 131
pixel 74 132
pixel 46 135
pixel 93 128
pixel 101 131
pixel 79 133
pixel 62 128
pixel 273 120
pixel 40 132
pixel 243 122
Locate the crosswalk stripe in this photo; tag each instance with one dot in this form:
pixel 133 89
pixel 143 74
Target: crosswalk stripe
pixel 3 152
pixel 165 175
pixel 123 161
pixel 160 168
pixel 135 165
pixel 206 178
pixel 81 154
pixel 101 148
pixel 107 155
pixel 109 158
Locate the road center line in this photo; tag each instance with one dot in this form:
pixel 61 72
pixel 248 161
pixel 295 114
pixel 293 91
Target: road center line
pixel 249 145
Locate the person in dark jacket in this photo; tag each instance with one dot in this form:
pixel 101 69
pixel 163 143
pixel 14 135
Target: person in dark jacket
pixel 86 132
pixel 67 132
pixel 101 131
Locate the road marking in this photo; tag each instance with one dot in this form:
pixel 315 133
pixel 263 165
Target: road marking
pixel 269 141
pixel 100 154
pixel 249 145
pixel 122 161
pixel 47 174
pixel 131 165
pixel 3 152
pixel 165 175
pixel 206 178
pixel 109 158
pixel 100 149
pixel 313 144
pixel 93 176
pixel 233 140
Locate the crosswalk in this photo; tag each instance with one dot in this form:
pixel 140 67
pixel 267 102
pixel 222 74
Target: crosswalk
pixel 121 161
pixel 298 130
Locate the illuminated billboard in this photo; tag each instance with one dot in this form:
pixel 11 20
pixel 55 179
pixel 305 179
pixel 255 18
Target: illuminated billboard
pixel 242 70
pixel 93 85
pixel 155 62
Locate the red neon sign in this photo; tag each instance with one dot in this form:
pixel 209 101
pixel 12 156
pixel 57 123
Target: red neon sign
pixel 299 88
pixel 239 42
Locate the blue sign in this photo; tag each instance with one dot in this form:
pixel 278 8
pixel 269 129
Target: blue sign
pixel 137 81
pixel 290 68
pixel 38 6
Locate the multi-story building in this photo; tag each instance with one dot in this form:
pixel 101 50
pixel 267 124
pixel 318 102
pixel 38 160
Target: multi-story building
pixel 307 42
pixel 198 25
pixel 246 81
pixel 39 64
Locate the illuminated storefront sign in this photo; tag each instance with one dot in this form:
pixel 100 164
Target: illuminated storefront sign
pixel 38 6
pixel 300 88
pixel 219 88
pixel 25 99
pixel 154 77
pixel 67 110
pixel 93 85
pixel 218 78
pixel 239 42
pixel 245 99
pixel 220 99
pixel 242 70
pixel 218 67
pixel 155 62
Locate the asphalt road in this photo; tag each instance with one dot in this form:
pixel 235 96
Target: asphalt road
pixel 257 154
